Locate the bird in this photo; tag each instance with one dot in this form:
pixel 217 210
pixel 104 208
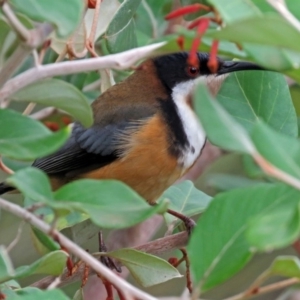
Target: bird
pixel 145 132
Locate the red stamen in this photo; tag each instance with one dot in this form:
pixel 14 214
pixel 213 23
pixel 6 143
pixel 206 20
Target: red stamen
pixel 202 27
pixel 186 10
pixel 180 42
pixel 213 63
pixel 193 57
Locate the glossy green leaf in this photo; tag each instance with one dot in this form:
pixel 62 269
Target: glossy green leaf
pixel 186 199
pixel 120 33
pixel 53 12
pixel 265 233
pixel 273 57
pixel 280 150
pixel 33 183
pixel 60 94
pixel 253 95
pixel 146 269
pixel 42 242
pixel 224 182
pixel 218 247
pixel 243 9
pixel 6 267
pixel 267 30
pixel 30 293
pixel 285 265
pixel 79 295
pixel 109 203
pixel 52 263
pixel 221 129
pixel 25 138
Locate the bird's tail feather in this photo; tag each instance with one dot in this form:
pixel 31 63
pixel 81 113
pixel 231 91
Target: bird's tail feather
pixel 4 188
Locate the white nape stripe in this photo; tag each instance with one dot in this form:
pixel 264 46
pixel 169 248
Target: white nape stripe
pixel 193 130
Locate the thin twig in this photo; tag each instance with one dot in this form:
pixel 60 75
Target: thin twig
pixel 114 61
pixel 29 108
pixel 44 113
pixel 36 37
pixel 55 283
pixel 91 39
pixel 5 168
pixel 281 7
pixel 74 249
pixel 15 241
pixel 266 289
pixel 157 247
pixel 92 86
pixel 20 29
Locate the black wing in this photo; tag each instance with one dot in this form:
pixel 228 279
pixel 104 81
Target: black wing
pixel 91 148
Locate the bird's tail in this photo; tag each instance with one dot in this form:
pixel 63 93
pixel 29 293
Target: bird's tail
pixel 4 188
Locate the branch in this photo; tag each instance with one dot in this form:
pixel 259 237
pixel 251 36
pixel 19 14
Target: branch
pixel 35 38
pixel 266 289
pixel 44 113
pixel 157 247
pixel 20 29
pixel 74 249
pixel 115 61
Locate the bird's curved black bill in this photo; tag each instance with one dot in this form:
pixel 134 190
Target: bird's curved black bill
pixel 233 66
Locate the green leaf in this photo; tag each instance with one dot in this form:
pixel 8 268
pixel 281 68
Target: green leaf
pixel 25 138
pixel 280 150
pixel 221 129
pixel 42 242
pixel 265 233
pixel 30 293
pixel 52 263
pixel 79 295
pixel 60 94
pixel 53 12
pixel 270 30
pixel 251 95
pixel 243 9
pixel 285 265
pixel 218 247
pixel 146 269
pixel 6 267
pixel 109 203
pixel 185 199
pixel 33 183
pixel 120 34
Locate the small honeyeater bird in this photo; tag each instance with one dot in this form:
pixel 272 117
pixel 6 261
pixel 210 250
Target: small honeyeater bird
pixel 145 132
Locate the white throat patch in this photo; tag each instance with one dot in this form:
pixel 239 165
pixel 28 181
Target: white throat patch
pixel 192 128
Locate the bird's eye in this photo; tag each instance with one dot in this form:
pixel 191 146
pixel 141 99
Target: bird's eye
pixel 192 71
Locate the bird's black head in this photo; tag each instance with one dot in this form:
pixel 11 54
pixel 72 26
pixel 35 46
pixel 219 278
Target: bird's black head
pixel 173 69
